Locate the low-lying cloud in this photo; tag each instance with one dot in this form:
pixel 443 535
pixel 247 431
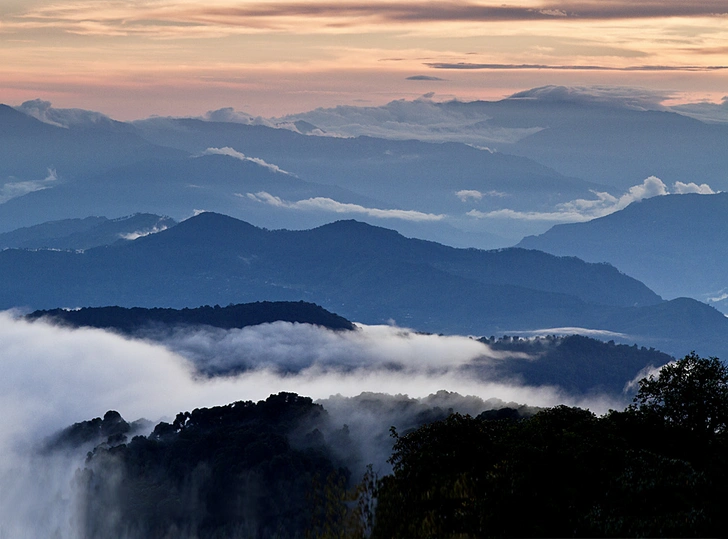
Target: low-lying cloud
pixel 55 376
pixel 581 210
pixel 332 206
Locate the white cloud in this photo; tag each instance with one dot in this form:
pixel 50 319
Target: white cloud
pixel 333 206
pixel 44 111
pixel 17 189
pixel 467 194
pixel 53 376
pixel 141 233
pixel 230 152
pixel 681 188
pixel 581 210
pixel 230 115
pixel 557 216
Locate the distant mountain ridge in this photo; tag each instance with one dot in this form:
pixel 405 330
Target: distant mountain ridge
pixel 364 273
pixel 677 245
pixel 614 139
pixel 83 163
pixel 75 234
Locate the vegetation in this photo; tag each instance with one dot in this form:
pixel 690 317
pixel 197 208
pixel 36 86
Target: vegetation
pixel 241 470
pixel 656 469
pixel 576 363
pixel 129 320
pixel 277 468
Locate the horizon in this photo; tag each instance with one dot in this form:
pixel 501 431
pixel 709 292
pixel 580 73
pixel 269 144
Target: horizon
pixel 637 98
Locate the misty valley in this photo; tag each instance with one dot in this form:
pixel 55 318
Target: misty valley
pixel 421 319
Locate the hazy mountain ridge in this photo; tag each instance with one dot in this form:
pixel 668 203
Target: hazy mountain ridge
pixel 79 234
pixel 374 167
pixel 366 274
pixel 573 151
pixel 94 165
pixel 675 244
pixel 29 147
pixel 603 136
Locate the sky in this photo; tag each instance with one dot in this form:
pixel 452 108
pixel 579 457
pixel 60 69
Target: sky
pixel 132 59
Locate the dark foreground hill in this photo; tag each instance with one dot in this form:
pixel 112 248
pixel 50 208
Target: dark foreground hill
pixel 365 273
pixel 233 316
pixel 283 468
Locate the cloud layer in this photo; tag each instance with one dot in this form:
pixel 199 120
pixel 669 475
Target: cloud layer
pixel 53 377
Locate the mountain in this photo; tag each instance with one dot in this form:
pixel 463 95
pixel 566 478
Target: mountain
pixel 617 137
pixel 365 273
pixel 75 234
pixel 77 163
pixel 578 364
pixel 176 187
pixel 29 147
pixel 676 244
pixel 233 316
pixel 408 173
pixel 620 147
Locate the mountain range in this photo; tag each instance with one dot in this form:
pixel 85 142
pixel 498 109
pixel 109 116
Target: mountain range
pixel 80 234
pixel 676 244
pixel 273 177
pixel 616 138
pixel 484 174
pixel 366 274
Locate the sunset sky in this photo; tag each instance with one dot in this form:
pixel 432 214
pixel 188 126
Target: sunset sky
pixel 131 59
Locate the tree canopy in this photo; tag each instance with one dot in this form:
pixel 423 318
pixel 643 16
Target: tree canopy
pixel 691 394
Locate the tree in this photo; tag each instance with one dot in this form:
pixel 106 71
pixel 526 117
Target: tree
pixel 691 393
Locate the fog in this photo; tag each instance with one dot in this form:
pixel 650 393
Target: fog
pixel 54 377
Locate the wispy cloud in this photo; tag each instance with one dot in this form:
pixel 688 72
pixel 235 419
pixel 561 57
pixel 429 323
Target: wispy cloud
pixel 681 188
pixel 44 111
pixel 105 17
pixel 425 78
pixel 472 194
pixel 333 206
pixel 573 67
pixel 581 210
pixel 230 152
pixel 15 189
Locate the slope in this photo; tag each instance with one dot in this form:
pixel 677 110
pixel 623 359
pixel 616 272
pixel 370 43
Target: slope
pixel 365 273
pixel 676 244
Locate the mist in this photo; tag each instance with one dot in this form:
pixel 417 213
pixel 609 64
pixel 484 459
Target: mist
pixel 55 376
